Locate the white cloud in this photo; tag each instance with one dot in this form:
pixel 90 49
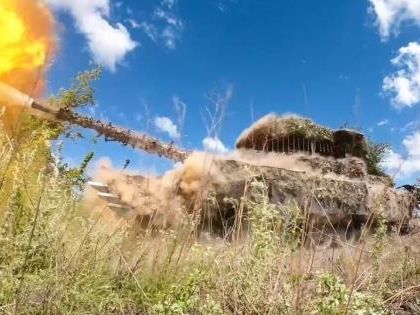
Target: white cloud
pixel 412 144
pixel 390 14
pixel 164 25
pixel 411 125
pixel 169 37
pixel 150 30
pixel 166 125
pixel 169 3
pixel 214 145
pixel 168 17
pixel 404 85
pixel 383 122
pixel 108 44
pixel 403 167
pixel 134 24
pixel 224 5
pixel 172 29
pixel 181 110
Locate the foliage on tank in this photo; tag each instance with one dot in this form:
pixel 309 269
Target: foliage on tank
pixel 274 126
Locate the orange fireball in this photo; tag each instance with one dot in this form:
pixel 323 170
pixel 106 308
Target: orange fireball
pixel 27 43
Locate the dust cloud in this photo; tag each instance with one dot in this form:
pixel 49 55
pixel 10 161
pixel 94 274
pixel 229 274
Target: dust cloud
pixel 165 200
pixel 162 201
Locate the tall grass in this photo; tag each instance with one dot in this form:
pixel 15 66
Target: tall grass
pixel 57 259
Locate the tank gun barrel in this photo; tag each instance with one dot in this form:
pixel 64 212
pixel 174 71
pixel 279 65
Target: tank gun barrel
pixel 10 95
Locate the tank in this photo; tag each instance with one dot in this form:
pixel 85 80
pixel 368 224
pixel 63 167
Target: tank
pixel 300 164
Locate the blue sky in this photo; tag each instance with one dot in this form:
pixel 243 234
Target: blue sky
pixel 334 61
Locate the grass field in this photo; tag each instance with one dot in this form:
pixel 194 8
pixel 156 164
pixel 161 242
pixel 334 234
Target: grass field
pixel 57 259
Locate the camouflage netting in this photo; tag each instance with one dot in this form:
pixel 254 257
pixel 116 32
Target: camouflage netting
pixel 273 126
pixel 216 188
pixel 337 198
